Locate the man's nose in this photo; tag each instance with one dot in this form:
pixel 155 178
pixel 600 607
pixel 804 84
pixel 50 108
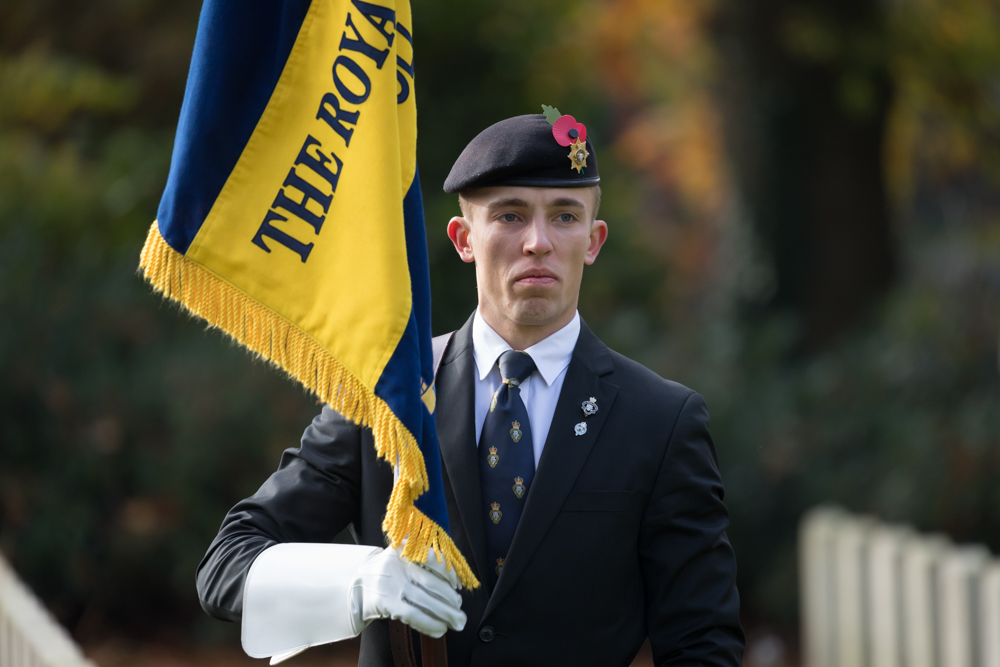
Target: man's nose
pixel 536 238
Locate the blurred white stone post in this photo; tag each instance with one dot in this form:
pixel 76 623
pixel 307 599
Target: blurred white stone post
pixel 875 595
pixel 817 585
pixel 851 585
pixel 958 612
pixel 885 561
pixel 29 636
pixel 919 600
pixel 989 615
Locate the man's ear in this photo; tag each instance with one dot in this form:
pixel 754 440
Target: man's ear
pixel 460 233
pixel 598 235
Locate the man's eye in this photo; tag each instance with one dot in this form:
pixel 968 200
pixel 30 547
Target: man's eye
pixel 509 217
pixel 566 217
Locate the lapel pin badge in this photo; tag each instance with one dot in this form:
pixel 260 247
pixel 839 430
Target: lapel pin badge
pixel 580 428
pixel 590 407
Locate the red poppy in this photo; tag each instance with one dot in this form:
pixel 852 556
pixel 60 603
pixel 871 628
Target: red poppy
pixel 567 131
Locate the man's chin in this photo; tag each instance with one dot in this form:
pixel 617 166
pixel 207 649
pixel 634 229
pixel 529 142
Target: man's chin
pixel 535 312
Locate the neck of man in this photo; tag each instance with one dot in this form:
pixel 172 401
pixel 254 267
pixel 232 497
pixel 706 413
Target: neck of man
pixel 522 336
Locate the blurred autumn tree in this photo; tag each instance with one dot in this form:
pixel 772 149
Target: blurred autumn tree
pixel 809 93
pixel 803 201
pixel 818 183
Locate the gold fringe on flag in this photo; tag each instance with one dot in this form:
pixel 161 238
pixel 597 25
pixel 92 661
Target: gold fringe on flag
pixel 272 338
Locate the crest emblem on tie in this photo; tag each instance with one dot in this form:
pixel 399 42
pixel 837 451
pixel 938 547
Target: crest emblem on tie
pixel 493 403
pixel 515 432
pixel 493 458
pixel 499 566
pixel 495 513
pixel 519 487
pixel 511 382
pixel 580 428
pixel 590 407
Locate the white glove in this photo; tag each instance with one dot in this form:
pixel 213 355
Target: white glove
pixel 299 595
pixel 422 595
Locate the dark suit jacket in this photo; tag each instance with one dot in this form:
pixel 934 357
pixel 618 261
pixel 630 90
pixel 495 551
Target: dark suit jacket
pixel 622 536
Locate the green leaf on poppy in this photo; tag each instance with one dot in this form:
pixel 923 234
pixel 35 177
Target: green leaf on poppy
pixel 551 114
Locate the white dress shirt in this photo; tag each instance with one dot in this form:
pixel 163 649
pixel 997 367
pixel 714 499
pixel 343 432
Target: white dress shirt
pixel 541 390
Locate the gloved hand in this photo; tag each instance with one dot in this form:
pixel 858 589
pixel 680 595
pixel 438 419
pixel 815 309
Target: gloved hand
pixel 422 595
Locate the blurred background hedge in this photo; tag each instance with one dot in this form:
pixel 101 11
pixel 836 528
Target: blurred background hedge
pixel 804 201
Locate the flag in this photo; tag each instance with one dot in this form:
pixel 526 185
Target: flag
pixel 292 220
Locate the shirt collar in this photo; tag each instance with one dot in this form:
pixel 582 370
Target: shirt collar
pixel 551 355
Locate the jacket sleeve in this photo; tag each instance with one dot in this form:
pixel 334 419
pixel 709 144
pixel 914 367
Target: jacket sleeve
pixel 688 564
pixel 312 496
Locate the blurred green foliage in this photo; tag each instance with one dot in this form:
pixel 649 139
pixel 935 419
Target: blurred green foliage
pixel 127 430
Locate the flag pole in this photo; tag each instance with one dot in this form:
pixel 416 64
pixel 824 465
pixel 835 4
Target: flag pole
pixel 433 652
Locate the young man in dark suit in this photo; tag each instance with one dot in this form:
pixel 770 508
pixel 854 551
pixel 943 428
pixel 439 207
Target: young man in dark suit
pixel 582 488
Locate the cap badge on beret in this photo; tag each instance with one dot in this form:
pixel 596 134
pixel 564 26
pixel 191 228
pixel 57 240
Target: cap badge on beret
pixel 568 132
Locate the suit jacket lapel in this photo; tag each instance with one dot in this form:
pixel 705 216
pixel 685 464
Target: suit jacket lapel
pixel 563 456
pixel 456 418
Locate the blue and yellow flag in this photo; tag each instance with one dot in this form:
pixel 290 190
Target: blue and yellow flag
pixel 292 220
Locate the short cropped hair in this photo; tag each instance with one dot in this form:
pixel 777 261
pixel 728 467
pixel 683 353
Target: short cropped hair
pixel 463 203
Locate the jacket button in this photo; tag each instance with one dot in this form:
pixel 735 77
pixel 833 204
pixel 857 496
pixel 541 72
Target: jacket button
pixel 486 633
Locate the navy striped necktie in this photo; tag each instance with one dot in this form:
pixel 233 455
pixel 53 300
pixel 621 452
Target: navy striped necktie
pixel 506 459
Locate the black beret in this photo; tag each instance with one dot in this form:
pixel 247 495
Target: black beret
pixel 520 151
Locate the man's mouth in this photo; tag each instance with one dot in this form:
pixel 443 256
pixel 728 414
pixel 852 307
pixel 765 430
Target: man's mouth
pixel 536 279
